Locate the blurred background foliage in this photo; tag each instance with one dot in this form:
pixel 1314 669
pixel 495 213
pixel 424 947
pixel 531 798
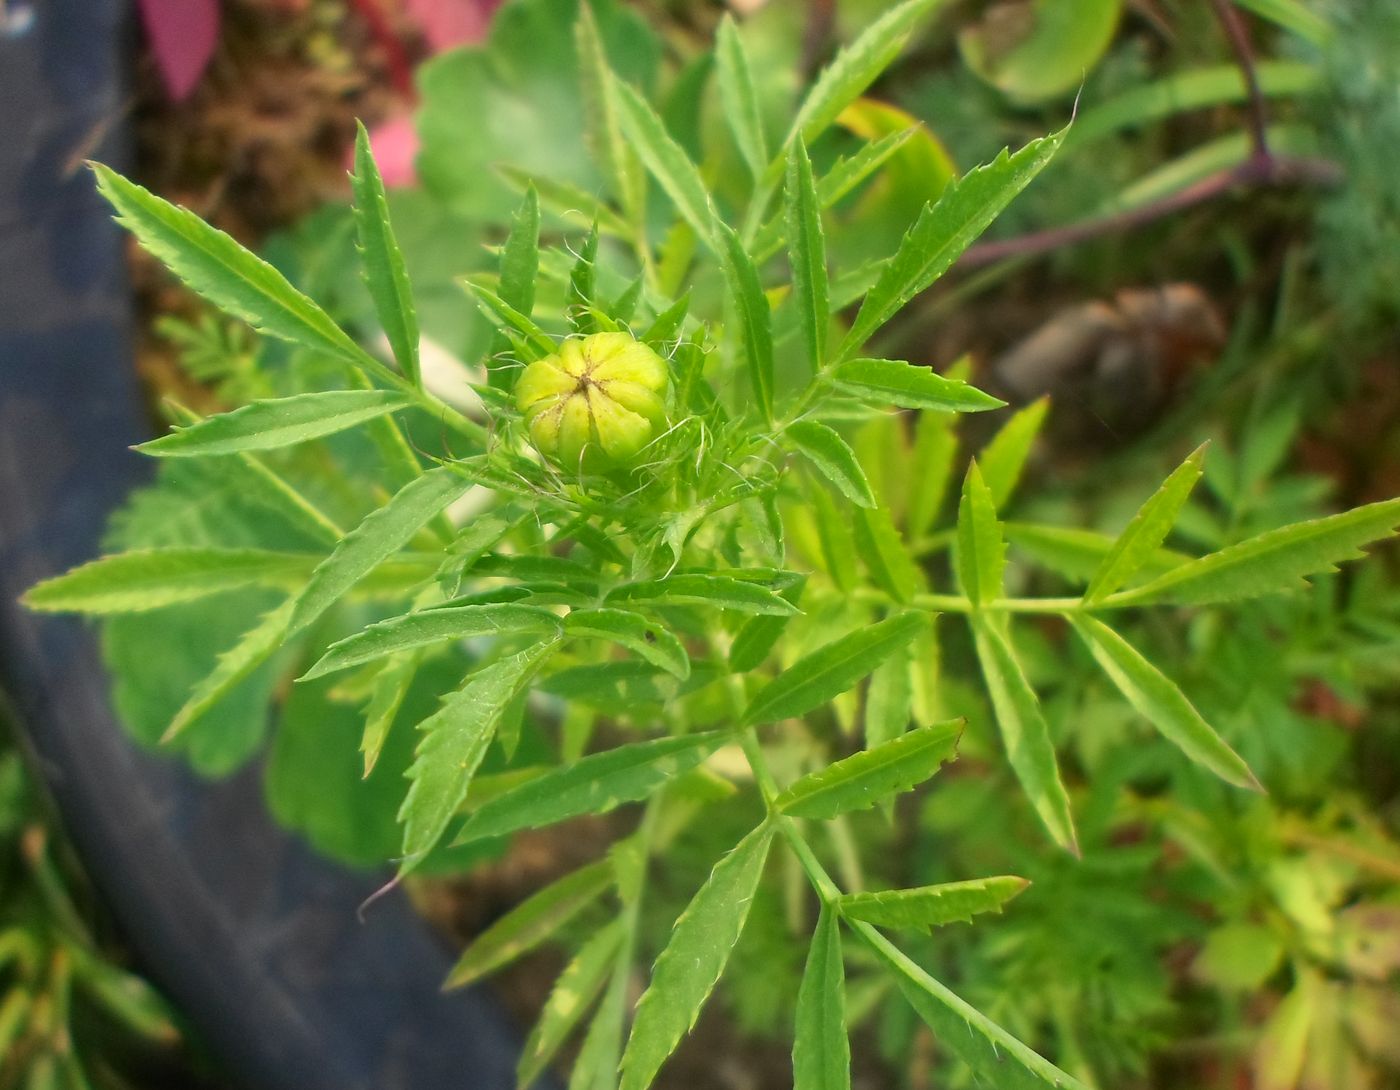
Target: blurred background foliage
pixel 1208 939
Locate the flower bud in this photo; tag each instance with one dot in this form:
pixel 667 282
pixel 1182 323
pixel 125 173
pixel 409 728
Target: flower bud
pixel 596 403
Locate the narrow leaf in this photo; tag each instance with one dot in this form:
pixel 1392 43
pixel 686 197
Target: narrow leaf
pixel 821 1050
pixel 145 579
pixel 1024 731
pixel 935 444
pixel 884 553
pixel 927 907
pixel 981 549
pixel 668 163
pixel 889 699
pixel 1003 459
pixel 390 688
pixel 944 230
pixel 603 125
pixel 873 775
pixel 253 648
pixel 235 280
pixel 755 320
pixel 454 740
pixel 1078 554
pixel 594 785
pixel 807 255
pixel 855 68
pixel 382 262
pixel 694 959
pixel 1162 703
pixel 577 987
pixel 836 183
pixel 566 200
pixel 992 1053
pixel 531 923
pixel 381 534
pixel 895 382
pixel 1143 536
pixel 833 458
pixel 520 263
pixel 653 642
pixel 1274 561
pixel 740 100
pixel 715 591
pixel 832 669
pixel 267 425
pixel 509 320
pixel 429 626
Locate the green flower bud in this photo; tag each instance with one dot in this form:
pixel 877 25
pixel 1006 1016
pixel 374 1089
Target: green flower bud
pixel 596 403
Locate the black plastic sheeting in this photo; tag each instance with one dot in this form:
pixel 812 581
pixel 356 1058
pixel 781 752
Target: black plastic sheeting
pixel 252 935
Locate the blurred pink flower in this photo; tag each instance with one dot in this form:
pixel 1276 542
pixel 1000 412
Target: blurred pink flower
pixel 446 23
pixel 183 34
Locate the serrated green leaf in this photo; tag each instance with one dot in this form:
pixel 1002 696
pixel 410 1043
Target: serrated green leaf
pixel 453 741
pixel 935 444
pixel 602 122
pixel 835 537
pixel 821 1050
pixel 889 699
pixel 281 422
pixel 382 262
pixel 807 254
pixel 520 265
pixel 715 591
pixel 833 458
pixel 1024 731
pixel 855 68
pixel 667 325
pixel 755 319
pixel 577 987
pixel 944 230
pixel 841 179
pixel 1077 554
pixel 694 959
pixel 510 321
pixel 1143 536
pixel 387 694
pixel 142 579
pixel 895 382
pixel 884 553
pixel 991 1052
pixel 596 784
pixel 253 648
pixel 832 669
pixel 1274 561
pixel 981 549
pixel 653 642
pixel 429 626
pixel 668 163
pixel 566 200
pixel 740 100
pixel 381 534
pixel 531 922
pixel 1162 703
pixel 1002 460
pixel 234 279
pixel 927 907
pixel 871 776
